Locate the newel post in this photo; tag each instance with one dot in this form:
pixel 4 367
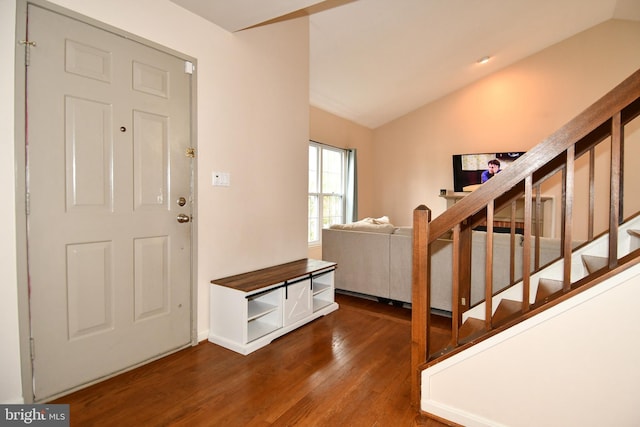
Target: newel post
pixel 420 298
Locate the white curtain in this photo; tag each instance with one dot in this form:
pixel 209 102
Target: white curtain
pixel 351 213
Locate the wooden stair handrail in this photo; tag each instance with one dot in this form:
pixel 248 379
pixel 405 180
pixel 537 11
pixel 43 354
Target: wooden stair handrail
pixel 593 117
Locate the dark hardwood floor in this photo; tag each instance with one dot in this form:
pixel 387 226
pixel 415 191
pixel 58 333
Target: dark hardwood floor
pixel 349 368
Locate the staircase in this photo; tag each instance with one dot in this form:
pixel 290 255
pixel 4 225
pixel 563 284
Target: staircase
pixel 588 263
pixel 543 291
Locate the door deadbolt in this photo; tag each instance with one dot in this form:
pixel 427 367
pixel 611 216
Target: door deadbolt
pixel 181 201
pixel 183 218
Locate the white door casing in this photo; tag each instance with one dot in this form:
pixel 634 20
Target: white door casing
pixel 108 128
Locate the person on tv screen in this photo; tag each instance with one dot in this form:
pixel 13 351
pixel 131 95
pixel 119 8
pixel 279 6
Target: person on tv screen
pixel 493 168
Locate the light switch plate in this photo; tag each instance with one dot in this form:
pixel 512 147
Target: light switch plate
pixel 221 179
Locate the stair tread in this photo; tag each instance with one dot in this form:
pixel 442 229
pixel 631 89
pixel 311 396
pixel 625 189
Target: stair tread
pixel 634 232
pixel 506 309
pixel 594 263
pixel 546 288
pixel 471 328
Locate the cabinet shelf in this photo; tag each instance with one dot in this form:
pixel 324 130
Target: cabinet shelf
pixel 258 329
pixel 318 288
pixel 322 291
pixel 258 309
pixel 319 303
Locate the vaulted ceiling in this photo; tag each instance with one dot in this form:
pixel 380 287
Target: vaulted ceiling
pixel 372 61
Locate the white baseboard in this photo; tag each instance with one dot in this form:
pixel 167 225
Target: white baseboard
pixel 14 401
pixel 203 335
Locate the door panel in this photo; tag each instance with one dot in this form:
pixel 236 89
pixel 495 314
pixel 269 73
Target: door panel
pixel 109 265
pixel 151 282
pixel 89 155
pixel 89 289
pixel 150 145
pixel 151 80
pixel 87 61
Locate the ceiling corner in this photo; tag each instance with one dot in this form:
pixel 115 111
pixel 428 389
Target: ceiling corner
pixel 238 15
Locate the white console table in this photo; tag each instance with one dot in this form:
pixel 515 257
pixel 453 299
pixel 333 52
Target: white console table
pixel 250 310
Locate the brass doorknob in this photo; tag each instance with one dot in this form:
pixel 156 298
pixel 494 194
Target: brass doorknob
pixel 183 218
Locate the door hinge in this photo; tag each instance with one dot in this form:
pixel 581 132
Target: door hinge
pixel 32 344
pixel 27 51
pixel 189 67
pixel 190 152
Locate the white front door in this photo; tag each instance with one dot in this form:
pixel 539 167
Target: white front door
pixel 108 129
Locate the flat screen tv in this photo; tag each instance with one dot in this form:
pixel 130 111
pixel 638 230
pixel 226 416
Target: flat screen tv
pixel 468 168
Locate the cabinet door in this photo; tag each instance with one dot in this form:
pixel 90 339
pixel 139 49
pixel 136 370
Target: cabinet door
pixel 297 302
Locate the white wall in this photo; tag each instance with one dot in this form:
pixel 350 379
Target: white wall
pixel 573 365
pixel 253 121
pixel 512 109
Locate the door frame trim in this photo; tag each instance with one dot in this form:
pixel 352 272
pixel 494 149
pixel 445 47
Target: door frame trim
pixel 24 322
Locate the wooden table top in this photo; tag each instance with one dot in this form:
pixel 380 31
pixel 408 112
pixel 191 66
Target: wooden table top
pixel 262 278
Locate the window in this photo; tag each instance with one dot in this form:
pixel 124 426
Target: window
pixel 326 188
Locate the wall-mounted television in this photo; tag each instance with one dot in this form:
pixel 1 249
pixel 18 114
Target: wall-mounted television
pixel 468 168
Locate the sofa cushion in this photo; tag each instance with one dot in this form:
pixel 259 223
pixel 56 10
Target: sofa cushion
pixel 371 225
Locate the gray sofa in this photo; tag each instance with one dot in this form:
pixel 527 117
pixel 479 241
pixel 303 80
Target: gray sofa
pixel 379 263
